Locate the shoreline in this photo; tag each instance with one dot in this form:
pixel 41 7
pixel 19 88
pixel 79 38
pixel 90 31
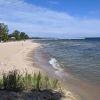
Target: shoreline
pixel 81 88
pixel 23 56
pixel 43 62
pixel 19 55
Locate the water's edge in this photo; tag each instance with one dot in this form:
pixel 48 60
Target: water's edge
pixel 85 90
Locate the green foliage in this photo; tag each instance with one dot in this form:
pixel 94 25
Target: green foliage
pixel 5 37
pixel 16 34
pixel 3 32
pixel 22 35
pixel 15 82
pixel 19 35
pixel 1 83
pixel 27 81
pixel 38 84
pixel 3 29
pixel 10 35
pixel 55 83
pixel 12 81
pixel 45 82
pixel 26 36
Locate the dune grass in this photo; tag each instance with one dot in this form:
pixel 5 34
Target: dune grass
pixel 16 82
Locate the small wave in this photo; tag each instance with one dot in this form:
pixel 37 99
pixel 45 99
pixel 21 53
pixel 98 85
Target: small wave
pixel 55 64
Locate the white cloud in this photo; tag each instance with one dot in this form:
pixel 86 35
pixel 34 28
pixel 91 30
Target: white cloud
pixel 21 15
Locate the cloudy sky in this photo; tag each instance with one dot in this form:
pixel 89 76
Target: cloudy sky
pixel 52 18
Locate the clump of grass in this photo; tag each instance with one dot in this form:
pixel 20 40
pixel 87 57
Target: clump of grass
pixel 55 83
pixel 38 81
pixel 15 82
pixel 12 81
pixel 27 81
pixel 1 83
pixel 46 82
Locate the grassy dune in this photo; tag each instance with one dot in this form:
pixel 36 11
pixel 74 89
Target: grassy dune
pixel 36 85
pixel 17 82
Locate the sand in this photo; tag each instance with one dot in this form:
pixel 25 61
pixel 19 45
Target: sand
pixel 14 56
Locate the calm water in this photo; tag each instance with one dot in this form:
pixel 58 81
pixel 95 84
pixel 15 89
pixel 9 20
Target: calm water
pixel 79 57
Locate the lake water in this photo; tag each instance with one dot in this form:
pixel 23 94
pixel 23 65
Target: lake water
pixel 80 58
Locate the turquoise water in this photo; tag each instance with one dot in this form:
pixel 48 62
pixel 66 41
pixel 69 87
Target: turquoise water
pixel 79 57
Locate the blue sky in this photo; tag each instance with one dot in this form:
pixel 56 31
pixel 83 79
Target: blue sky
pixel 52 18
pixel 80 8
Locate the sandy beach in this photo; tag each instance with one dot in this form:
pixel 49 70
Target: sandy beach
pixel 14 55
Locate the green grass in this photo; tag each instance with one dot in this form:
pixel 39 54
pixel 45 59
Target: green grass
pixel 15 82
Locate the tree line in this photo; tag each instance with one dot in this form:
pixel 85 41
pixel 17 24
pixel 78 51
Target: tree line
pixel 15 35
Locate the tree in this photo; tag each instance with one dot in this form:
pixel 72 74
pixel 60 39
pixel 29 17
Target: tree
pixel 22 35
pixel 10 35
pixel 26 36
pixel 3 32
pixel 16 34
pixel 5 37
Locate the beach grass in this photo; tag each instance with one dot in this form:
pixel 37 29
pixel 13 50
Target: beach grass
pixel 15 86
pixel 14 81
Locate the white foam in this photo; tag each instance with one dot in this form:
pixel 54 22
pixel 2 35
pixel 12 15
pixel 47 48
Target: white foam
pixel 55 64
